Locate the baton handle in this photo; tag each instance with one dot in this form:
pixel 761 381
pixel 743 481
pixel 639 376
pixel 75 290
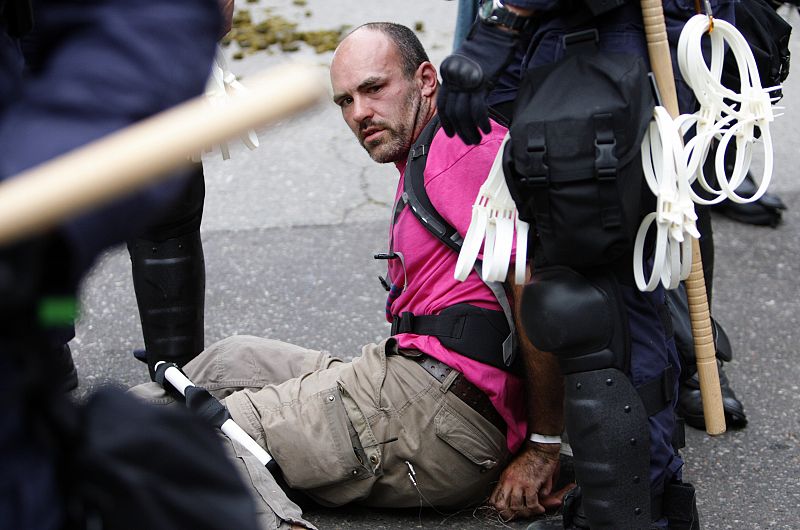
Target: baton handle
pixel 705 352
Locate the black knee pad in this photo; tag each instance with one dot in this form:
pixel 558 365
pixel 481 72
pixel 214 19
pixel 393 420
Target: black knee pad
pixel 578 318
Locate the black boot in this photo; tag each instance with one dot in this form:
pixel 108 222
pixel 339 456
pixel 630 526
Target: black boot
pixel 766 211
pixel 690 403
pixel 169 280
pixel 571 516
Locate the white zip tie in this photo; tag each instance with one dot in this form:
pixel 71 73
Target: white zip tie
pixel 494 223
pixel 665 174
pixel 222 84
pixel 670 167
pixel 720 107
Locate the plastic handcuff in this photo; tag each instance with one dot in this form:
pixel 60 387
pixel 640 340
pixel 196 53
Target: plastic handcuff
pixel 222 83
pixel 493 224
pixel 670 167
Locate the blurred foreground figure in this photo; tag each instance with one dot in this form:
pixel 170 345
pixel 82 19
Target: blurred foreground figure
pixel 92 68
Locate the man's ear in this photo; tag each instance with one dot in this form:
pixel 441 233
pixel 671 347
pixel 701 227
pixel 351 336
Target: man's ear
pixel 427 78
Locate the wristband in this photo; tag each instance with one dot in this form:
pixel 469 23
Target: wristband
pixel 544 439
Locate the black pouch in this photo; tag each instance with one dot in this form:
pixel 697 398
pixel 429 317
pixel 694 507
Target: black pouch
pixel 573 164
pixel 768 35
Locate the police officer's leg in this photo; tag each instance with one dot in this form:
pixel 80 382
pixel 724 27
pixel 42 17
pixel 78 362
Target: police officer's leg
pixel 169 280
pixel 583 319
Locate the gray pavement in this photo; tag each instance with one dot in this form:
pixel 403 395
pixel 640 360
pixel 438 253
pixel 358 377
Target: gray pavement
pixel 289 232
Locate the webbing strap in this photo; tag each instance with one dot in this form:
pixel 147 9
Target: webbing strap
pixel 605 170
pixel 414 189
pixel 657 393
pixel 472 331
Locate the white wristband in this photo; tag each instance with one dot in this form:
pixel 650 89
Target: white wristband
pixel 544 439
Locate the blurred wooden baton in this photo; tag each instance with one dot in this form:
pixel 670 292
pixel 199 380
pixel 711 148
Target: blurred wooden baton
pixel 147 151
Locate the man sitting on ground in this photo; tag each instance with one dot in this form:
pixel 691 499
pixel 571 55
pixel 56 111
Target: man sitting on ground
pixel 410 421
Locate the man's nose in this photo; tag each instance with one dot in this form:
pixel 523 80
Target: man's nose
pixel 361 110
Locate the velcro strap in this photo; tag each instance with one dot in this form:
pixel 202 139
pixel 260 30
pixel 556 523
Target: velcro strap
pixel 658 393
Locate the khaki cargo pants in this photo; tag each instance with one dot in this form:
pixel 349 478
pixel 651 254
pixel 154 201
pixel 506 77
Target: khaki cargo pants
pixel 353 431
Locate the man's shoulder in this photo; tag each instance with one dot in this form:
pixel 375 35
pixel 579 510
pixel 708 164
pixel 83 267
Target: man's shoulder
pixel 447 153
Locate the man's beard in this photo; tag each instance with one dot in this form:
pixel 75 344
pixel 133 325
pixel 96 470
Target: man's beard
pixel 391 146
pixel 395 141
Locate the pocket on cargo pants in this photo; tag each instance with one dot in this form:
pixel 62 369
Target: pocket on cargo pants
pixel 312 444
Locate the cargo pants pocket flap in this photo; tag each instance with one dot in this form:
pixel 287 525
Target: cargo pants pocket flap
pixel 311 442
pixel 460 434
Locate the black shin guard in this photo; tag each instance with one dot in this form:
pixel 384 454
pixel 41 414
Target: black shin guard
pixel 169 280
pixel 610 440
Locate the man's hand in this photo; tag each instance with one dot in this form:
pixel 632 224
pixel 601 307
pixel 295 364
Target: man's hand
pixel 467 76
pixel 525 486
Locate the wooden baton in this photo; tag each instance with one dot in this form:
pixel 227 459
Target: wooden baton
pixel 705 352
pixel 145 152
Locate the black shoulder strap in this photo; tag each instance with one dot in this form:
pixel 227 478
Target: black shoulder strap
pixel 416 197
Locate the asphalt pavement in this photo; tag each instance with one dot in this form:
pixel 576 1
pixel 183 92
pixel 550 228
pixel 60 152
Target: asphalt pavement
pixel 290 229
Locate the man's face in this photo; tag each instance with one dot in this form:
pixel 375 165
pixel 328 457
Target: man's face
pixel 380 104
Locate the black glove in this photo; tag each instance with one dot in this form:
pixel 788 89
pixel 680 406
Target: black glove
pixel 467 77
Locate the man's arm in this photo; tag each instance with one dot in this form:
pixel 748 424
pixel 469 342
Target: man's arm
pixel 525 486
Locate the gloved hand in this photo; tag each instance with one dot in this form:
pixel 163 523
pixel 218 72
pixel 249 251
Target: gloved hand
pixel 467 77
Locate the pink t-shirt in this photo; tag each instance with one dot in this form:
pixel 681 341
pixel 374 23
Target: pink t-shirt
pixel 454 173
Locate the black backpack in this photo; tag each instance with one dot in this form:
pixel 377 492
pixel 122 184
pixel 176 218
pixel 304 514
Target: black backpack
pixel 573 163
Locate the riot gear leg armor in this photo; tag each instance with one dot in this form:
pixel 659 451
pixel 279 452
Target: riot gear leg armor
pixel 169 279
pixel 581 320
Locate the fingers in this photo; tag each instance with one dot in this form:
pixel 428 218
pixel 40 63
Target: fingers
pixel 513 502
pixel 480 113
pixel 465 121
pixel 552 501
pixel 444 116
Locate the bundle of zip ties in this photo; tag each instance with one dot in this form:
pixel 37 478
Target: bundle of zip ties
pixel 671 168
pixel 495 221
pixel 223 84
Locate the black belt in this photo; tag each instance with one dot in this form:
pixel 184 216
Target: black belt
pixel 463 390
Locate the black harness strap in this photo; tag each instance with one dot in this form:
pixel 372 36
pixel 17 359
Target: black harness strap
pixel 414 190
pixel 480 334
pixel 472 331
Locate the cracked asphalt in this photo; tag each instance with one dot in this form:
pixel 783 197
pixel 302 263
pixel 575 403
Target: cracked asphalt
pixel 289 232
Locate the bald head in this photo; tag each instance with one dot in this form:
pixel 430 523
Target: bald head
pixel 385 86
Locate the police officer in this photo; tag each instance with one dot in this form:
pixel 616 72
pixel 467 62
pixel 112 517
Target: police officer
pixel 627 470
pixel 168 268
pixel 94 68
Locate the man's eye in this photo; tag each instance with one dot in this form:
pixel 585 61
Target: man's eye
pixel 345 102
pixel 374 89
